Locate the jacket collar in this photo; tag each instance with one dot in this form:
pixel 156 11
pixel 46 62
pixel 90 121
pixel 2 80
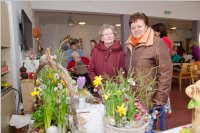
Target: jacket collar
pixel 146 40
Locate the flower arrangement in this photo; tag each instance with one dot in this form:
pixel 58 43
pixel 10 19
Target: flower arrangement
pixel 125 99
pixel 53 85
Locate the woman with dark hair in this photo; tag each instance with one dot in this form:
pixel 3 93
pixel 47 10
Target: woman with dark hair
pixel 161 31
pixel 147 52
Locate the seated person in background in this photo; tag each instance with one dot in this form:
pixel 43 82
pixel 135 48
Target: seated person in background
pixel 174 56
pixel 196 52
pixel 79 67
pixel 73 47
pixel 180 50
pixel 187 58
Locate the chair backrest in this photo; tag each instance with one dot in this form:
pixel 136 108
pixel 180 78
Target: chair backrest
pixel 185 69
pixel 194 71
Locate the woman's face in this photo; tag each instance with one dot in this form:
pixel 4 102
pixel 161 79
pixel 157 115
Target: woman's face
pixel 108 36
pixel 138 28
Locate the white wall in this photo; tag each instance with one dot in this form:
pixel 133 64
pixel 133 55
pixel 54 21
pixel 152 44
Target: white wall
pixel 14 9
pixel 180 35
pixel 52 34
pixel 180 9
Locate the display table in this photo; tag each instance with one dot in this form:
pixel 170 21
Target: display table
pixel 93 114
pixel 176 130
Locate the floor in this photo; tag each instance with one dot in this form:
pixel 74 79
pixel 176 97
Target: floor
pixel 179 100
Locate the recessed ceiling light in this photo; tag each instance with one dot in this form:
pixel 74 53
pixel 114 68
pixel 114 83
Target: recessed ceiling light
pixel 173 28
pixel 118 25
pixel 82 23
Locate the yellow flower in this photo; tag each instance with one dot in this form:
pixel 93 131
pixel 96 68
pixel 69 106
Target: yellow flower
pixel 34 93
pixel 54 81
pixel 106 96
pixel 37 82
pixel 67 91
pixel 50 76
pixel 121 110
pixel 97 81
pixel 62 82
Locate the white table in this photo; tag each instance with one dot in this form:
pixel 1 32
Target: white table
pixel 94 118
pixel 176 130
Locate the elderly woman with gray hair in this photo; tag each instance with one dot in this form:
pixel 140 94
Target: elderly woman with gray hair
pixel 108 56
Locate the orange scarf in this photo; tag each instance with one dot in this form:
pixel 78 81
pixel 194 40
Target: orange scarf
pixel 135 40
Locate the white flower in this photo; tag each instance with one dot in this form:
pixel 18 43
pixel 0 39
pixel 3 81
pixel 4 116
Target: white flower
pixel 58 101
pixel 39 89
pixel 149 88
pixel 56 88
pixel 131 82
pixel 123 89
pixel 56 76
pixel 54 57
pixel 60 86
pixel 73 82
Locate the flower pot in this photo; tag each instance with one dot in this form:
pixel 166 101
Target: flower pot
pixel 111 129
pixel 140 127
pixel 52 129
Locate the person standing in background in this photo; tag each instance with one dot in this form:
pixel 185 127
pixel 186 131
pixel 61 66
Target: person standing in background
pixel 160 30
pixel 108 56
pixel 93 44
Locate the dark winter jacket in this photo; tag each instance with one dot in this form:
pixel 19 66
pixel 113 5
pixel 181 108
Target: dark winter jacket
pixel 106 61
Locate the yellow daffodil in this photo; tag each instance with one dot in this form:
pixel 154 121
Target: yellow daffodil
pixel 50 76
pixel 62 82
pixel 34 93
pixel 97 81
pixel 67 91
pixel 121 110
pixel 37 82
pixel 54 81
pixel 106 96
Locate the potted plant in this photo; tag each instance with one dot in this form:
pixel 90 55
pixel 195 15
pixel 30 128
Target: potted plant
pixel 126 101
pixel 53 85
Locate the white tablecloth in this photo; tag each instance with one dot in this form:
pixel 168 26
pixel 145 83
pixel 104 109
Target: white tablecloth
pixel 176 130
pixel 94 119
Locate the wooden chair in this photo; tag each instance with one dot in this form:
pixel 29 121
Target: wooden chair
pixel 195 72
pixel 182 73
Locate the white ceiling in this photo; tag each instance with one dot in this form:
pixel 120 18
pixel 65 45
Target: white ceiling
pixel 47 17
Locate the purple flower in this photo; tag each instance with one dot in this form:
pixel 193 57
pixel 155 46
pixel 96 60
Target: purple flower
pixel 81 81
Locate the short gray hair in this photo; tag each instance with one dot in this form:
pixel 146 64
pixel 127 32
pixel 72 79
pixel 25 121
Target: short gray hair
pixel 107 26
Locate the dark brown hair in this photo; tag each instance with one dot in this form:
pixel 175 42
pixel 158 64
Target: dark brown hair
pixel 133 18
pixel 161 28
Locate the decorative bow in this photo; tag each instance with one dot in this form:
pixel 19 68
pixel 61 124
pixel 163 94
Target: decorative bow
pixel 193 103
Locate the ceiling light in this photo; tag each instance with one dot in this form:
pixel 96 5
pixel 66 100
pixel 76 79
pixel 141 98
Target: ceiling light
pixel 70 21
pixel 173 28
pixel 82 23
pixel 118 25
